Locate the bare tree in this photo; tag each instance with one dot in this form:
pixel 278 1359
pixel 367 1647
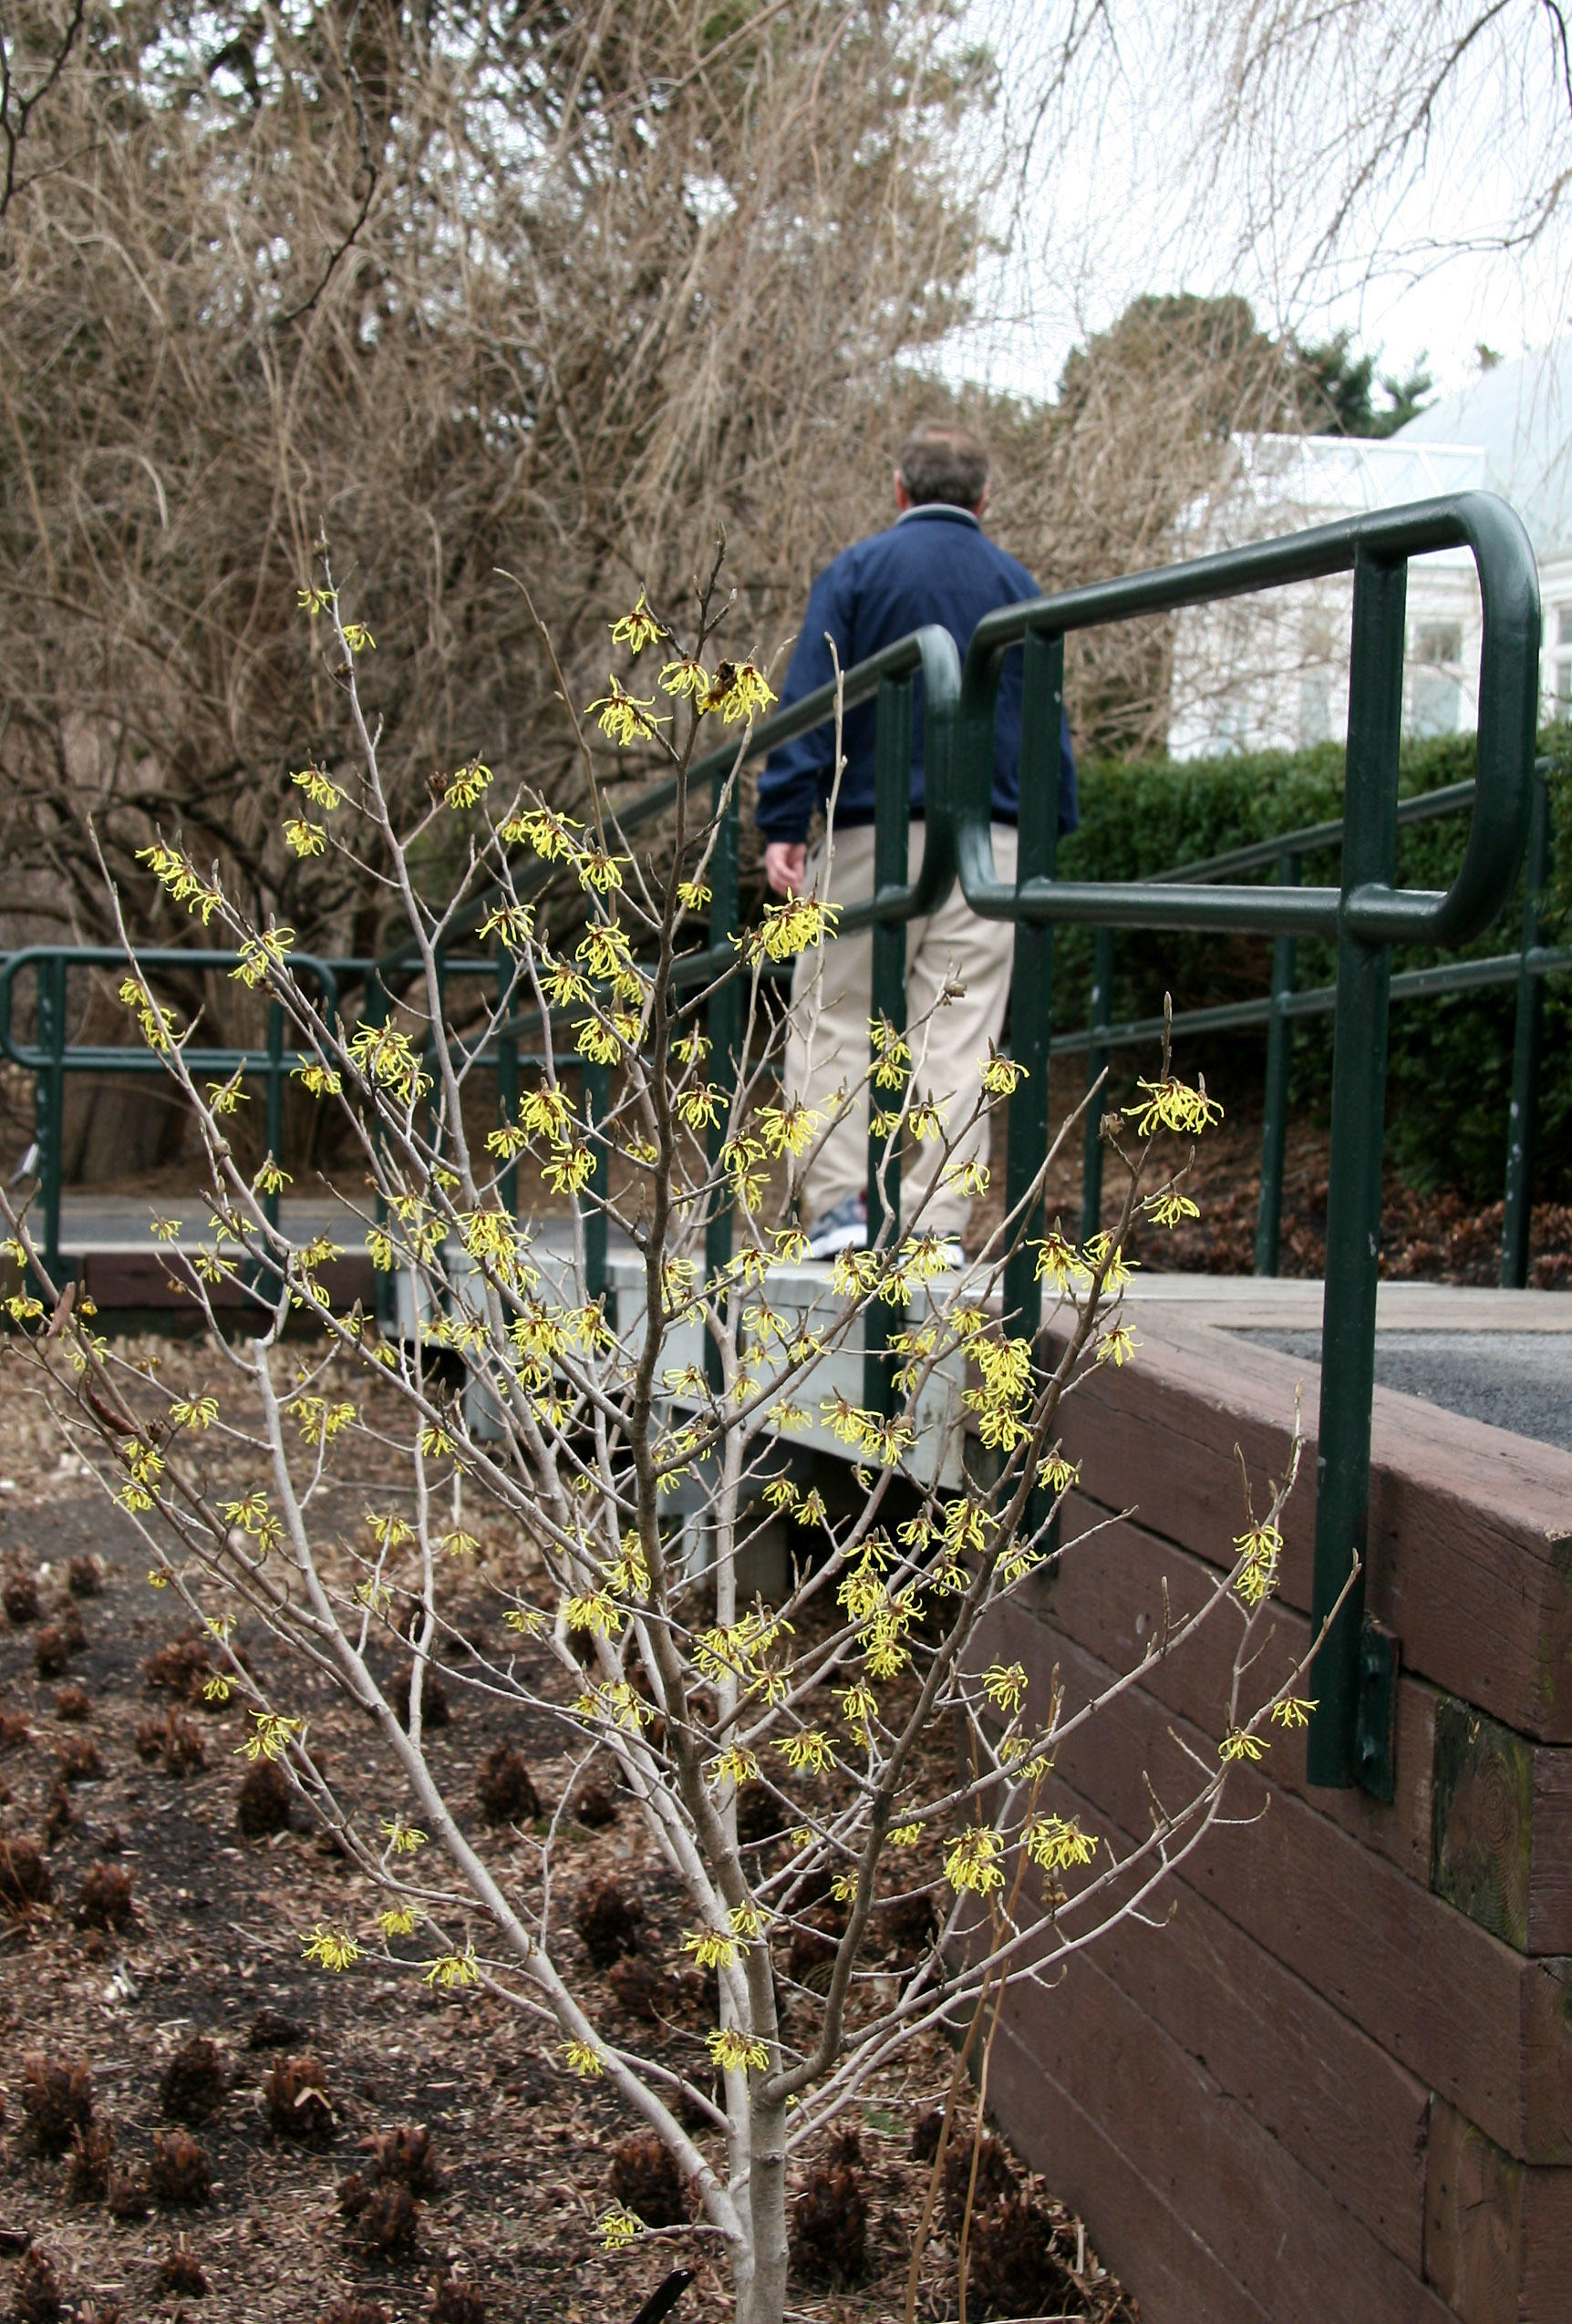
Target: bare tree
pixel 583 1426
pixel 547 285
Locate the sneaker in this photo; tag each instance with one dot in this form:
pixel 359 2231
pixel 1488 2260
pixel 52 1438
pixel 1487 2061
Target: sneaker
pixel 845 1228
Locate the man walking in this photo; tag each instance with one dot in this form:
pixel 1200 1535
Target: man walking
pixel 935 564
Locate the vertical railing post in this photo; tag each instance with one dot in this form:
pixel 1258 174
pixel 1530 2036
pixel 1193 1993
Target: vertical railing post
pixel 1517 1211
pixel 596 1085
pixel 1275 1121
pixel 508 1075
pixel 723 1025
pixel 1031 971
pixel 274 1126
pixel 375 1007
pixel 1096 1066
pixel 49 1102
pixel 887 1001
pixel 1353 1202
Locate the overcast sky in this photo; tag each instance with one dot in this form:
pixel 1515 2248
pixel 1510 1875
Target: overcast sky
pixel 1112 204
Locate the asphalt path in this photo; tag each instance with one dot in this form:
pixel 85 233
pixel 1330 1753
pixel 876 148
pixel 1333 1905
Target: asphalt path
pixel 1520 1380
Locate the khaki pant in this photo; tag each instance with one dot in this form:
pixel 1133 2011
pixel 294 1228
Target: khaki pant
pixel 827 1046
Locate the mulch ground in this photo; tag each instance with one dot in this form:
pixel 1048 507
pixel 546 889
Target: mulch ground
pixel 522 2148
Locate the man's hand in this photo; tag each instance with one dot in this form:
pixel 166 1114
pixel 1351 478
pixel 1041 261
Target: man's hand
pixel 785 863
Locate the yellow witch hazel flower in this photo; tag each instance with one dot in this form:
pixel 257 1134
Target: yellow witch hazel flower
pixel 859 1704
pixel 1172 1104
pixel 466 784
pixel 709 1949
pixel 513 924
pixel 1103 1252
pixel 973 1860
pixel 261 955
pixel 811 1749
pixel 1056 1843
pixel 318 789
pixel 1004 1684
pixel 736 1765
pixel 453 1971
pixel 550 834
pixel 618 2228
pixel 740 691
pixel 1294 1710
pixel 1000 1076
pixel 303 837
pixel 1171 1208
pixel 177 875
pixel 623 717
pixel 398 1920
pixel 1261 1552
pixel 1056 1474
pixel 797 925
pixel 270 1737
pixel 735 2052
pixel 1060 1262
pixel 332 1949
pixel 638 629
pixel 155 1020
pixel 582 2058
pixel 404 1839
pixel 685 676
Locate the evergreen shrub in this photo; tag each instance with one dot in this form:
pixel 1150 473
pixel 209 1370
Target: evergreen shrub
pixel 1450 1066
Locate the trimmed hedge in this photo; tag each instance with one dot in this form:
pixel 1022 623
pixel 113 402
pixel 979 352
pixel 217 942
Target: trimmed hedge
pixel 1450 1058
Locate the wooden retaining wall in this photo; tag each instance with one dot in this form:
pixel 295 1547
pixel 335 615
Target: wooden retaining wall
pixel 1336 2087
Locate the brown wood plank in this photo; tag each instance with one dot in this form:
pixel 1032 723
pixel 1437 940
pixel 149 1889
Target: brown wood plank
pixel 1350 2113
pixel 1156 2253
pixel 1498 1843
pixel 1271 2223
pixel 1107 1594
pixel 1473 2221
pixel 1488 2029
pixel 1498 2233
pixel 1471 1528
pixel 1550 1871
pixel 1546 2292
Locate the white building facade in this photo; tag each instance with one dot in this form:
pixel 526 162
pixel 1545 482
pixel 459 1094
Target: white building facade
pixel 1271 672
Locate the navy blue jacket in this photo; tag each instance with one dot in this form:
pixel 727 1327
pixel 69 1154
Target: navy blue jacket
pixel 934 564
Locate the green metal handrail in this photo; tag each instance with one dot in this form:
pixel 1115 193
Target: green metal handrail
pixel 1366 914
pixel 1277 1010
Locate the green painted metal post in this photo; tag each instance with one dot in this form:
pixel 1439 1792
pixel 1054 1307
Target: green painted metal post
pixel 507 1075
pixel 724 1026
pixel 888 1000
pixel 273 1130
pixel 1279 1056
pixel 374 1010
pixel 1354 1206
pixel 1096 1065
pixel 1032 972
pixel 49 1103
pixel 597 1105
pixel 1528 1033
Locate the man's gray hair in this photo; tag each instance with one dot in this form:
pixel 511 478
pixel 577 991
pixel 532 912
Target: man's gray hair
pixel 943 462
